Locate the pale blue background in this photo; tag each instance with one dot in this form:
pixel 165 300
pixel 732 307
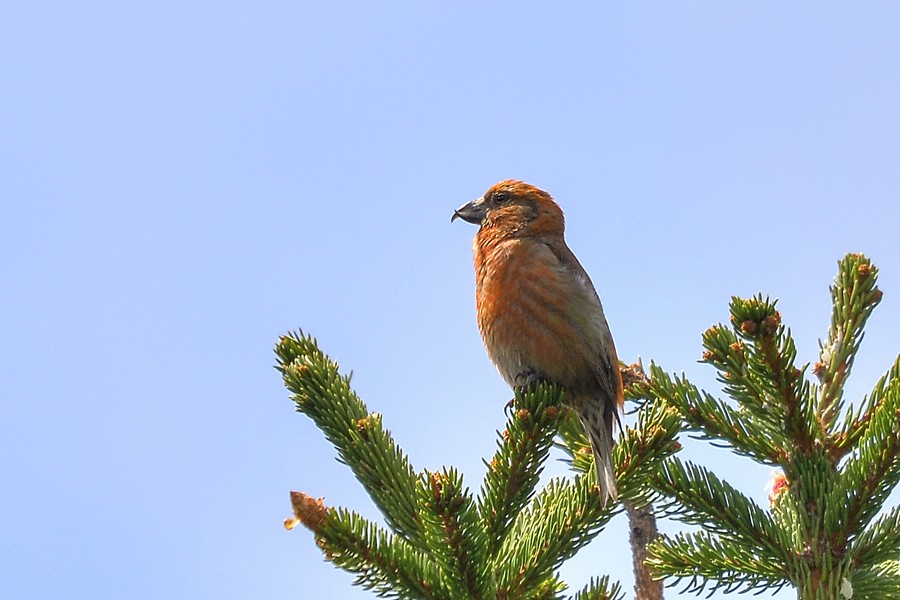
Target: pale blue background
pixel 182 182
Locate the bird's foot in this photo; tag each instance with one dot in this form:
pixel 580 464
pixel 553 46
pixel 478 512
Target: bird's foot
pixel 528 379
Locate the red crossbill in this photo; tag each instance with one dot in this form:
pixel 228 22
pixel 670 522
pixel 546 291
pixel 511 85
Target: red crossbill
pixel 539 314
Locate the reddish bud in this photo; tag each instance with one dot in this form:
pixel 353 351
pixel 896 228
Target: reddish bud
pixel 777 485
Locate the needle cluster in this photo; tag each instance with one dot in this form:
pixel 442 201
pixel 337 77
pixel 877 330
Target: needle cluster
pixel 441 541
pixel 825 533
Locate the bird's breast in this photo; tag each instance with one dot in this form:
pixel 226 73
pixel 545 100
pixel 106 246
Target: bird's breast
pixel 534 314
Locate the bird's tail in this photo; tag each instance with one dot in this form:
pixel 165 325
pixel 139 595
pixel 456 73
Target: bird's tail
pixel 600 435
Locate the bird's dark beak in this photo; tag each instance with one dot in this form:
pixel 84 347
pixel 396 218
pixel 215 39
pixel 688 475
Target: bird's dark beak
pixel 473 212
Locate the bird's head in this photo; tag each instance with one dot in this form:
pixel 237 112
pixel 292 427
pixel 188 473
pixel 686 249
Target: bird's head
pixel 514 209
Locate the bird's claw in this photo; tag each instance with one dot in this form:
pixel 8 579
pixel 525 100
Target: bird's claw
pixel 528 379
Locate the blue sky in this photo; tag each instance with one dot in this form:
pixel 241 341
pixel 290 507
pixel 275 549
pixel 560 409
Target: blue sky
pixel 183 182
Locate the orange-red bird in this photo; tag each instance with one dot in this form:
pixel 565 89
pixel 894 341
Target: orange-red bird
pixel 538 312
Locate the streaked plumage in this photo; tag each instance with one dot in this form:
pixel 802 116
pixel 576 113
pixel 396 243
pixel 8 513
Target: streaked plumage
pixel 538 312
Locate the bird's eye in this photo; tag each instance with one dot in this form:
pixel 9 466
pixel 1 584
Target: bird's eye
pixel 500 197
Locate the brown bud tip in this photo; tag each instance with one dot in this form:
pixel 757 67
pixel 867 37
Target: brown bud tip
pixel 864 269
pixel 438 481
pixel 307 510
pixel 634 374
pixel 818 369
pixel 749 327
pixel 708 355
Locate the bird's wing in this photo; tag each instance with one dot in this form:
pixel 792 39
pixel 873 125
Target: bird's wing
pixel 608 371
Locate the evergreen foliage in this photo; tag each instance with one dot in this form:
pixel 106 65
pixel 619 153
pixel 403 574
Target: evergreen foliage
pixel 825 532
pixel 506 542
pixel 821 534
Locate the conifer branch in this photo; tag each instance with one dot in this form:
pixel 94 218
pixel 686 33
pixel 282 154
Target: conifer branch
pixel 455 535
pixel 600 589
pixel 662 422
pixel 705 560
pixel 699 493
pixel 560 520
pixel 755 361
pixel 879 542
pixel 505 544
pixel 856 425
pixel 639 454
pixel 823 533
pixel 876 583
pixel 574 442
pixel 324 395
pixel 873 470
pixel 636 456
pixel 516 467
pixel 639 450
pixel 783 406
pixel 381 562
pixel 712 419
pixel 854 296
